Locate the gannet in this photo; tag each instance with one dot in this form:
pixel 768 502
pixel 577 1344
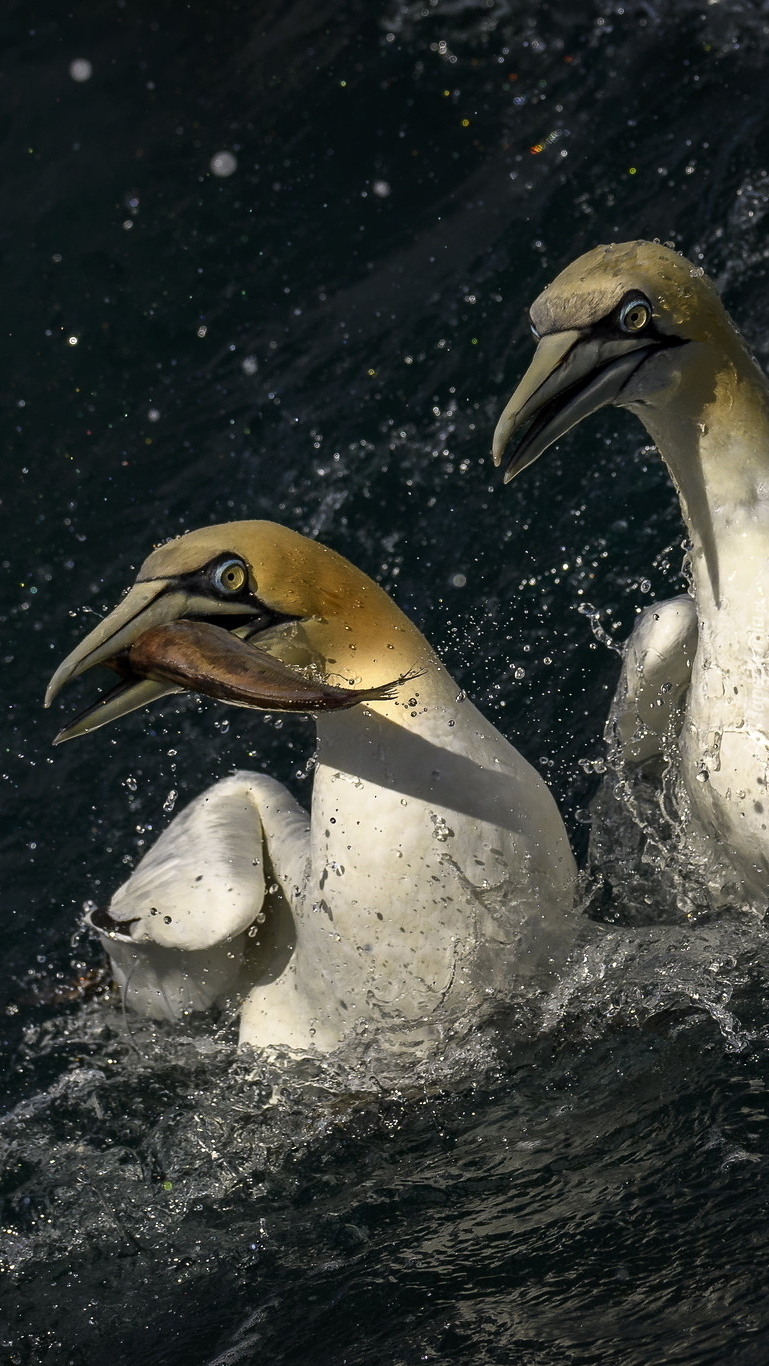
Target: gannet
pixel 637 326
pixel 434 870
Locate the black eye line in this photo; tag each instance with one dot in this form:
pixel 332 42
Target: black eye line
pixel 200 578
pixel 257 615
pixel 202 581
pixel 611 329
pixel 611 325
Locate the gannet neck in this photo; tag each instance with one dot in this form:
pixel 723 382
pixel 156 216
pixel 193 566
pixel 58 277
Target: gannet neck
pixel 711 427
pixel 427 829
pixel 710 423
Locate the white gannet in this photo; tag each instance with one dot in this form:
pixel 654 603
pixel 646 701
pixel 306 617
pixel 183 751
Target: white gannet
pixel 434 871
pixel 637 326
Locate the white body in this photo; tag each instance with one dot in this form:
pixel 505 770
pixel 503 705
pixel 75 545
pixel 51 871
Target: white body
pixel 719 460
pixel 434 874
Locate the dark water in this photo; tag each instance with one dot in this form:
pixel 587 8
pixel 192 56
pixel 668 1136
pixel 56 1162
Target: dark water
pixel 325 337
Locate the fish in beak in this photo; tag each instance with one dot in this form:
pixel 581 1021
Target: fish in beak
pixel 196 630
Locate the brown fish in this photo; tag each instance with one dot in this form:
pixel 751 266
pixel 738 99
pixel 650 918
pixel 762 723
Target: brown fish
pixel 201 657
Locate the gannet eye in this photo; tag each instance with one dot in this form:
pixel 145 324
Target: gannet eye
pixel 229 576
pixel 635 315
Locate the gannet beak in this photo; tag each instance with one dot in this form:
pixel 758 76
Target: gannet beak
pixel 157 649
pixel 146 605
pixel 572 374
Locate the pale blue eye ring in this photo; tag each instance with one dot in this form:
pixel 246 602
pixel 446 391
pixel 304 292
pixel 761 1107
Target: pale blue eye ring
pixel 635 315
pixel 230 576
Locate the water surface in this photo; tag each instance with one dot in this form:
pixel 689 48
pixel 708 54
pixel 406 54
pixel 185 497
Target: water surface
pixel 325 337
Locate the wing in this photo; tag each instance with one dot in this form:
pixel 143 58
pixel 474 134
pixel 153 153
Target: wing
pixel 646 712
pixel 175 932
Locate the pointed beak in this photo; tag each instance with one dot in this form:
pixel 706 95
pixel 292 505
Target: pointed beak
pixel 572 375
pixel 156 649
pixel 148 604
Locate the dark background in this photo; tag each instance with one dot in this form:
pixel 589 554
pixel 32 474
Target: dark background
pixel 290 342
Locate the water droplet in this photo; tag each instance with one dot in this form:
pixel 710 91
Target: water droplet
pixel 591 765
pixel 223 163
pixel 80 69
pixel 170 801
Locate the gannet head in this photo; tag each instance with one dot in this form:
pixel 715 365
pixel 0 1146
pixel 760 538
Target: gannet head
pixel 199 605
pixel 614 327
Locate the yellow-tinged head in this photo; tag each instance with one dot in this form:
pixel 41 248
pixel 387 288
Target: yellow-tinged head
pixel 682 301
pixel 624 324
pixel 246 584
